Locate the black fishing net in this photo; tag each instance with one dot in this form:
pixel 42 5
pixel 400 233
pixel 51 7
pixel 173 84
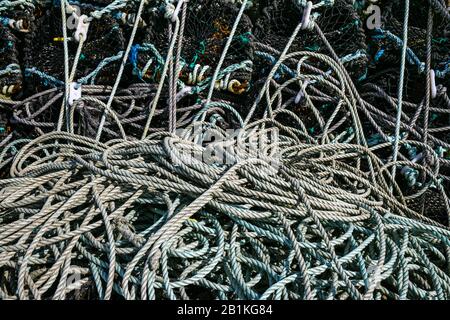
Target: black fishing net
pixel 44 51
pixel 11 80
pixel 207 26
pixel 10 68
pixel 393 15
pixel 431 204
pixel 381 84
pixel 340 24
pixel 387 80
pixel 385 42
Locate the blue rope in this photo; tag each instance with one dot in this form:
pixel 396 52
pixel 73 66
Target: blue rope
pixel 46 78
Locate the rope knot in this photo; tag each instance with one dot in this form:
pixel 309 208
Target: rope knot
pixel 307 18
pixel 172 10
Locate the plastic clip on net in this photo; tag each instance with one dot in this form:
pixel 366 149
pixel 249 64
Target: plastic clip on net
pixel 433 84
pixel 74 92
pixel 82 27
pixel 306 15
pixel 187 90
pixel 300 94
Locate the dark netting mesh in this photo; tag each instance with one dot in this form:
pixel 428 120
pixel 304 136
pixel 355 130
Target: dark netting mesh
pixel 388 79
pixel 11 78
pixel 393 20
pixel 385 43
pixel 384 71
pixel 431 204
pixel 208 24
pixel 44 50
pixel 340 24
pixel 382 85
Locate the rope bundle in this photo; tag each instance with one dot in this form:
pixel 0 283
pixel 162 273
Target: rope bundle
pixel 141 220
